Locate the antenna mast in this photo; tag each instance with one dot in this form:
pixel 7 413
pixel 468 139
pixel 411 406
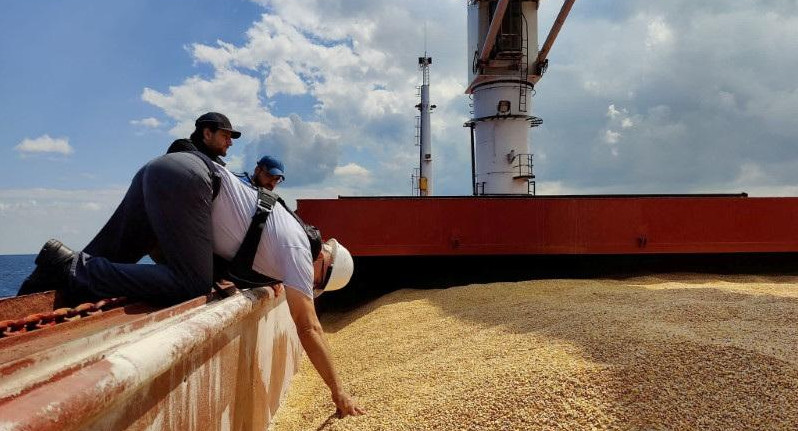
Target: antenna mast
pixel 425 154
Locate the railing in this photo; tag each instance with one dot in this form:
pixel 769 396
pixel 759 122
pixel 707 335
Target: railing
pixel 480 188
pixel 523 170
pixel 523 166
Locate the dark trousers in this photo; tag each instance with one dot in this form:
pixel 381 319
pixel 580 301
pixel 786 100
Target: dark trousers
pixel 167 205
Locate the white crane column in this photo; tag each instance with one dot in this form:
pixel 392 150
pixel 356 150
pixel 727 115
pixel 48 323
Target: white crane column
pixel 502 42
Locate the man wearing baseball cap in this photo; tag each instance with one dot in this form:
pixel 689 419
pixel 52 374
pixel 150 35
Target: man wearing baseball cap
pixel 268 173
pixel 212 136
pixel 168 203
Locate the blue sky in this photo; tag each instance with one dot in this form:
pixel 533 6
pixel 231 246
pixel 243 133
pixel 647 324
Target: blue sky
pixel 76 69
pixel 639 97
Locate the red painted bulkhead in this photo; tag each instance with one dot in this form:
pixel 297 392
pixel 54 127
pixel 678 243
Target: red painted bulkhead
pixel 637 224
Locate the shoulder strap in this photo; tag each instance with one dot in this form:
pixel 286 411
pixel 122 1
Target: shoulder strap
pixel 180 145
pixel 216 178
pixel 186 146
pixel 314 236
pixel 245 255
pixel 241 272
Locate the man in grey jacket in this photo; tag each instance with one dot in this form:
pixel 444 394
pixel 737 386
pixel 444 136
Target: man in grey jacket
pixel 167 208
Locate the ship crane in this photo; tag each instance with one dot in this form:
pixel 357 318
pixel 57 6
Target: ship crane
pixel 502 40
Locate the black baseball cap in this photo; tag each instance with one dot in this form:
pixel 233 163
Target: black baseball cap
pixel 220 121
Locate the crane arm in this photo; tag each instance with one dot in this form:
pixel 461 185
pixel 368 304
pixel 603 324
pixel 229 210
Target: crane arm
pixel 493 30
pixel 555 29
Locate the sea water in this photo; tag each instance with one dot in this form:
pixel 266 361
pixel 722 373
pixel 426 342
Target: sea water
pixel 13 270
pixel 15 267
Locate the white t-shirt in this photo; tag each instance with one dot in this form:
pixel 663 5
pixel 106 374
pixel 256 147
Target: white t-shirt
pixel 284 249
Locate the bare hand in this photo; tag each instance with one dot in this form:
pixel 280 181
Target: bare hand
pixel 346 405
pixel 278 288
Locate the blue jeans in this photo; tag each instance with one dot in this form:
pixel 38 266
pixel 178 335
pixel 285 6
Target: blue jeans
pixel 167 205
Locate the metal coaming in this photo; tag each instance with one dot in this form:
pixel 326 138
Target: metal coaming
pixel 171 376
pixel 557 225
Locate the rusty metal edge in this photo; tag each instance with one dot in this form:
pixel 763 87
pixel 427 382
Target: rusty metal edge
pixel 43 352
pixel 85 392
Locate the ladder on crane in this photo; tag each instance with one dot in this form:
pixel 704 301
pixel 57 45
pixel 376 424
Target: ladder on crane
pixel 523 69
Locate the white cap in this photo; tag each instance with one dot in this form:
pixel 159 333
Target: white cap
pixel 342 267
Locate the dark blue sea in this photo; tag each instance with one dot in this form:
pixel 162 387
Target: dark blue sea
pixel 13 269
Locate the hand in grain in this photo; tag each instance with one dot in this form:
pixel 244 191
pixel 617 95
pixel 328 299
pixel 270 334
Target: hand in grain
pixel 346 405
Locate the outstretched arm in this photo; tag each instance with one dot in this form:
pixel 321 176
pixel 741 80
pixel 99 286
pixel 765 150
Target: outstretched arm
pixel 311 335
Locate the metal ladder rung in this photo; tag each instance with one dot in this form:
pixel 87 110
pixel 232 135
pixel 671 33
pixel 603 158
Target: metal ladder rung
pixel 524 69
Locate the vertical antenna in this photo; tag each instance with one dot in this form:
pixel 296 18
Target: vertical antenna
pixel 421 178
pixel 425 38
pixel 425 108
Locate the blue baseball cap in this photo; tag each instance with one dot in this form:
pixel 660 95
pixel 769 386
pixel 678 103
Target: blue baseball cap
pixel 272 165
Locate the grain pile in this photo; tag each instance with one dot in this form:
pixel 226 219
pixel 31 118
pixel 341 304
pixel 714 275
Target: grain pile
pixel 666 352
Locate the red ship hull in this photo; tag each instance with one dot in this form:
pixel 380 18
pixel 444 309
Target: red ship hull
pixel 557 225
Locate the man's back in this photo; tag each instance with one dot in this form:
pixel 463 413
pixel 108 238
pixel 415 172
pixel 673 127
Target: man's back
pixel 284 249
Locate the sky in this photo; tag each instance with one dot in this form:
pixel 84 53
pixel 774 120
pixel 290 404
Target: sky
pixel 639 97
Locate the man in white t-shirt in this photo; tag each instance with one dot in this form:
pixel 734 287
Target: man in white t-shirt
pixel 284 254
pixel 170 204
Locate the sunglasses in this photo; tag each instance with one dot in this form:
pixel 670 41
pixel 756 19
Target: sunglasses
pixel 327 275
pixel 280 178
pixel 326 278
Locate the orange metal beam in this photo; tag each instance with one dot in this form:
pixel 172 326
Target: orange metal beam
pixel 493 30
pixel 555 29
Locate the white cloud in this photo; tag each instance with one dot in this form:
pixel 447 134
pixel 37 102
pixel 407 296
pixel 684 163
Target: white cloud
pixel 219 57
pixel 228 91
pixel 26 216
pixel 149 122
pixel 309 152
pixel 611 137
pixel 45 144
pixel 352 170
pixel 364 96
pixel 613 112
pixel 658 34
pixel 92 206
pixel 282 79
pixel 236 164
pixel 678 87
